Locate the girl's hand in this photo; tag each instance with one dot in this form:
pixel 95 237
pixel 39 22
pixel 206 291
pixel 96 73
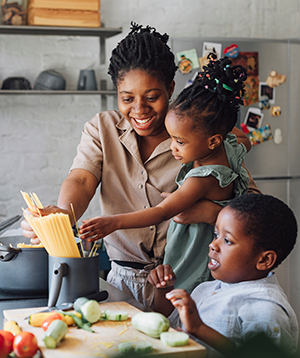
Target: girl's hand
pixel 162 276
pixel 97 228
pixel 187 309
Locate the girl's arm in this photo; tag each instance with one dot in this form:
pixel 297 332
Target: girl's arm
pixel 189 316
pixel 187 195
pixel 242 138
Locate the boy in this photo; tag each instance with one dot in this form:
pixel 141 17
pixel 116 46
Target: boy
pixel 253 235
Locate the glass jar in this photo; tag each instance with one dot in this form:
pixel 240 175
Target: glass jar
pixel 14 12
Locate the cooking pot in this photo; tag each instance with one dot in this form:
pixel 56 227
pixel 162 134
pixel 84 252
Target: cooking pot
pixel 16 83
pixel 23 269
pixel 50 80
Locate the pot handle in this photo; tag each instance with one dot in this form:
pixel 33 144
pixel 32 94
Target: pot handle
pixel 7 253
pixel 60 270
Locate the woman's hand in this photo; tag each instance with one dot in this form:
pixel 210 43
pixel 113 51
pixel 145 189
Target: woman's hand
pixel 162 276
pixel 28 231
pixel 187 309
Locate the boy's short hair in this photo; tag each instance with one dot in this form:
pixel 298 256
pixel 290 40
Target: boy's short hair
pixel 269 222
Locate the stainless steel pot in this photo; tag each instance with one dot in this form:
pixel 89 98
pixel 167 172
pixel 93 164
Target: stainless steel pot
pixel 22 269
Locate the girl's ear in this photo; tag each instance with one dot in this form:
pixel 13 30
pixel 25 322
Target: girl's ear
pixel 266 260
pixel 215 141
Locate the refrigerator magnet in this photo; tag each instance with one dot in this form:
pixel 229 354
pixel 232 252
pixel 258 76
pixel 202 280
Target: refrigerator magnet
pixel 264 102
pixel 232 51
pixel 277 136
pixel 265 90
pixel 253 118
pixel 276 111
pixel 211 47
pixel 260 135
pixel 187 61
pixel 275 79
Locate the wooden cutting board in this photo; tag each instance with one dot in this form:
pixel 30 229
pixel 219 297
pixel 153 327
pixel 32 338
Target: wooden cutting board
pixel 104 342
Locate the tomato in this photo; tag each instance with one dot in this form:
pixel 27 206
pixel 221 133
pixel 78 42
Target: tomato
pixel 25 345
pixel 8 338
pixel 50 319
pixel 3 347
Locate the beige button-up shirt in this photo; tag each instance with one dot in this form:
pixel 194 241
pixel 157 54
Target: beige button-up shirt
pixel 109 150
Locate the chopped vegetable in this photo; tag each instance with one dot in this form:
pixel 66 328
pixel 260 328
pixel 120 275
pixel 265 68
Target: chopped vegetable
pixel 50 319
pixel 150 323
pixel 143 347
pixel 55 333
pixel 116 315
pixel 12 326
pixel 91 311
pixel 126 347
pixel 174 339
pixel 79 303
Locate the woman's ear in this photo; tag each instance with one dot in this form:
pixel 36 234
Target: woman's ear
pixel 171 89
pixel 215 141
pixel 266 260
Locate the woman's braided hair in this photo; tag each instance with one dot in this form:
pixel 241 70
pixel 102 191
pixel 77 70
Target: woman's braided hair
pixel 146 49
pixel 214 98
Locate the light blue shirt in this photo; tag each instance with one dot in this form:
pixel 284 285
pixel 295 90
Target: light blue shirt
pixel 241 310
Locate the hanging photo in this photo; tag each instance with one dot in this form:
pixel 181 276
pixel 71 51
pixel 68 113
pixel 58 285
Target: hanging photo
pixel 249 60
pixel 253 118
pixel 265 90
pixel 251 90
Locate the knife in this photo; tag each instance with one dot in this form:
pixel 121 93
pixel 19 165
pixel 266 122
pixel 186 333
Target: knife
pixel 97 296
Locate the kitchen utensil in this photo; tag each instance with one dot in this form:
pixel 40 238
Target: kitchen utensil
pixel 70 278
pixel 5 225
pixel 87 81
pixel 16 83
pixel 23 270
pixel 50 80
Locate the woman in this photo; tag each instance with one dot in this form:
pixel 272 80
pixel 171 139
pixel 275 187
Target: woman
pixel 128 152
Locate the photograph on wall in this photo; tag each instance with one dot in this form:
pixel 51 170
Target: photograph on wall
pixel 254 118
pixel 249 60
pixel 209 47
pixel 265 90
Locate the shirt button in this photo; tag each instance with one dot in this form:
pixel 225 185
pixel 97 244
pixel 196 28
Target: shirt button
pixel 275 329
pixel 151 227
pixel 140 186
pixel 143 172
pixel 214 293
pixel 146 207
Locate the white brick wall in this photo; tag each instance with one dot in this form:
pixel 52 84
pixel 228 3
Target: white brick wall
pixel 39 134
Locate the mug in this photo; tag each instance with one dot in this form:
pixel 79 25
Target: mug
pixel 87 81
pixel 72 277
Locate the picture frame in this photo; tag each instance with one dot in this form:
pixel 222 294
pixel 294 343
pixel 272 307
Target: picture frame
pixel 265 90
pixel 253 118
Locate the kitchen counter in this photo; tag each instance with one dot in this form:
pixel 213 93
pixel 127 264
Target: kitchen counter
pixel 114 295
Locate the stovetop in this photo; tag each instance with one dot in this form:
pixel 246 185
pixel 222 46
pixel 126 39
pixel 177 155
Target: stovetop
pixel 15 295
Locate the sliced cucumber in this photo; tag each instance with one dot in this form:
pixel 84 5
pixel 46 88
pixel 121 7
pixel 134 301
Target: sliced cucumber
pixel 116 315
pixel 91 311
pixel 143 347
pixel 150 323
pixel 174 339
pixel 126 347
pixel 79 303
pixel 55 333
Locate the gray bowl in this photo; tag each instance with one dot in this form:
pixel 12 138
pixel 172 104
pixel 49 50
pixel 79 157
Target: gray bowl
pixel 50 80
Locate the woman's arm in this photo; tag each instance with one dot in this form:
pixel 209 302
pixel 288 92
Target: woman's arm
pixel 242 138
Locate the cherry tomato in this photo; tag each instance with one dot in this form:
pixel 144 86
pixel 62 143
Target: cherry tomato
pixel 8 338
pixel 25 345
pixel 3 347
pixel 50 319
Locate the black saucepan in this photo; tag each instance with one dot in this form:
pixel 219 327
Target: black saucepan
pixel 23 269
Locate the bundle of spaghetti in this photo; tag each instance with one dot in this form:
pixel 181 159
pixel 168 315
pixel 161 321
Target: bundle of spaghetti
pixel 55 232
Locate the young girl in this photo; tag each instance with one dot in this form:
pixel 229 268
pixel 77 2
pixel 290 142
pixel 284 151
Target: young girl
pixel 199 122
pixel 253 235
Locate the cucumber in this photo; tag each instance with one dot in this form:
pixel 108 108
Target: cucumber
pixel 174 339
pixel 150 323
pixel 91 311
pixel 55 333
pixel 126 347
pixel 143 347
pixel 116 315
pixel 79 303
